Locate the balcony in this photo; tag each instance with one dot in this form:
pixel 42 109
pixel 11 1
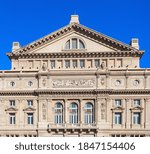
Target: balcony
pixel 72 127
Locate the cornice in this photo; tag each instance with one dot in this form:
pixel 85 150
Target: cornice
pixel 126 72
pixel 103 39
pixel 75 54
pixel 76 92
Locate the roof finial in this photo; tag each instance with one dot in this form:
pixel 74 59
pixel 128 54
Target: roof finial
pixel 74 19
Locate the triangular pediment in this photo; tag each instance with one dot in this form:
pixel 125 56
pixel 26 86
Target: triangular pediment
pixel 55 41
pixel 29 109
pixel 137 108
pixel 11 109
pixel 118 108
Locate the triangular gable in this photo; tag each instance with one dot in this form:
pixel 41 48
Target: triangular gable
pixel 29 109
pixel 137 108
pixel 11 109
pixel 79 29
pixel 118 108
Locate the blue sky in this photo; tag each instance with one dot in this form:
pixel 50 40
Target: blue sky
pixel 29 20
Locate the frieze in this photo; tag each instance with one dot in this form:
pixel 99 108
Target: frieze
pixel 73 83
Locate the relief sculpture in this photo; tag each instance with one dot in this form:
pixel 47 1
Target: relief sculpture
pixel 73 83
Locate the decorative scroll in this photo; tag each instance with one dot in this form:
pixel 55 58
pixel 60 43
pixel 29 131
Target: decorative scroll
pixel 72 83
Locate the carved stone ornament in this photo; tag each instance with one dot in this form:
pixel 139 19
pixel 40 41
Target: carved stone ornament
pixel 103 66
pixel 73 83
pixel 44 67
pixel 44 82
pixel 44 114
pixel 102 81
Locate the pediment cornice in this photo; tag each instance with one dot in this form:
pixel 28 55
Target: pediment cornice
pixel 77 54
pixel 118 108
pixel 11 109
pixel 78 28
pixel 136 108
pixel 29 109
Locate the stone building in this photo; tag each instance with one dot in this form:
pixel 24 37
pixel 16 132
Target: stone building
pixel 75 82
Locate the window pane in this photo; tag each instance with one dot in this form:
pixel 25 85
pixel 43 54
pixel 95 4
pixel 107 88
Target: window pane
pixel 81 45
pixel 30 102
pixel 117 102
pixel 97 63
pixel 12 118
pixel 30 118
pixel 136 118
pixel 12 103
pixel 58 113
pixel 74 43
pixel 89 113
pixel 74 63
pixel 53 64
pixel 137 102
pixel 118 118
pixel 73 113
pixel 82 63
pixel 67 46
pixel 67 63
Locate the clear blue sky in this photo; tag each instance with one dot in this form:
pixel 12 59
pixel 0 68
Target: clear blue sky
pixel 28 20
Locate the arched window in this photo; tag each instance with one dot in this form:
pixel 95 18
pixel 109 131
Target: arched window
pixel 73 113
pixel 58 113
pixel 74 44
pixel 89 113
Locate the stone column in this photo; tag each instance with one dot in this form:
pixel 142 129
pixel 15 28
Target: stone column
pixel 97 111
pixel 143 113
pixel 147 113
pixel 66 112
pixel 21 106
pixel 81 112
pixel 127 113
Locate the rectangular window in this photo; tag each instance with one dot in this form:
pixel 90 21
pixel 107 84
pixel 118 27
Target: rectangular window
pixel 74 43
pixel 118 102
pixel 97 63
pixel 137 102
pixel 74 63
pixel 30 118
pixel 12 103
pixel 53 65
pixel 30 103
pixel 82 63
pixel 136 118
pixel 67 63
pixel 12 118
pixel 118 118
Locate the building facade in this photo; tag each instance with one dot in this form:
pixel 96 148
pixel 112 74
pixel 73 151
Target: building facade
pixel 75 82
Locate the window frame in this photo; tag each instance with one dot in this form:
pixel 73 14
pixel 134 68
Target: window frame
pixel 89 113
pixel 59 114
pixel 118 118
pixel 79 44
pixel 12 118
pixel 136 118
pixel 74 110
pixel 30 118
